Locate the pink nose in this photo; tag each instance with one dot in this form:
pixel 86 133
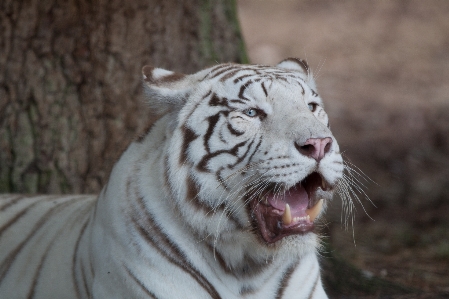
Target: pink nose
pixel 315 148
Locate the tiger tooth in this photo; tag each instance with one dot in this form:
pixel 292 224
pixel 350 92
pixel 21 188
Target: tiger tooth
pixel 315 210
pixel 287 217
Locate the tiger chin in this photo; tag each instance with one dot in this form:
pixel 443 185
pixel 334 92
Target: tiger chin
pixel 219 199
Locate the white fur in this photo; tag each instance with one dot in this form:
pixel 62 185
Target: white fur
pixel 196 252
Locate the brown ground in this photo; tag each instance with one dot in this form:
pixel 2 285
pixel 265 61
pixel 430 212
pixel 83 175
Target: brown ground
pixel 383 70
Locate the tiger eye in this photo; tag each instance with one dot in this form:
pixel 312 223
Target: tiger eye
pixel 251 112
pixel 312 107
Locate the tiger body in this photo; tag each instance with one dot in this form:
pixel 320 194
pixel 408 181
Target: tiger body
pixel 217 200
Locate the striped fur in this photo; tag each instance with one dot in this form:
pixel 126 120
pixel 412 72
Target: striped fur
pixel 179 217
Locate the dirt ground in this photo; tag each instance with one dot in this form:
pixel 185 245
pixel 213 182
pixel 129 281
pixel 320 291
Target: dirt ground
pixel 382 68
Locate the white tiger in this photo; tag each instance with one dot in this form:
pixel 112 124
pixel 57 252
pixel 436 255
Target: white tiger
pixel 217 200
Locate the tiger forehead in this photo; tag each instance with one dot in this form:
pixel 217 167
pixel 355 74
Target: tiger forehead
pixel 267 89
pixel 238 73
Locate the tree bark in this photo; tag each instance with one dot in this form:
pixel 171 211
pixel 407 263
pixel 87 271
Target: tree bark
pixel 70 80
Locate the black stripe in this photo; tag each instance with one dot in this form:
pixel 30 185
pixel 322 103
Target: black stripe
pixel 249 268
pixel 192 190
pixel 210 75
pixel 37 274
pixel 192 197
pixel 12 202
pixel 242 90
pixel 240 159
pixel 75 260
pixel 234 131
pixel 212 120
pixel 83 276
pixel 166 177
pixel 237 116
pixel 145 132
pixel 217 67
pixel 201 205
pixel 17 217
pixel 36 198
pixel 223 70
pixel 188 134
pixel 139 282
pixel 314 287
pixel 6 264
pixel 247 151
pixel 218 257
pixel 303 91
pixel 264 89
pixel 215 100
pixel 284 280
pixel 236 101
pixel 91 267
pixel 236 80
pixel 222 139
pixel 230 74
pixel 188 137
pixel 246 290
pixel 281 78
pixel 255 150
pixel 220 179
pixel 169 251
pixel 202 165
pixel 198 103
pixel 154 235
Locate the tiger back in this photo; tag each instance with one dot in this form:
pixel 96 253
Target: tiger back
pixel 219 199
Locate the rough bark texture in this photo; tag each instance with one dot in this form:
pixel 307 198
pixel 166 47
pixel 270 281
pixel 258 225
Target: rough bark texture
pixel 70 80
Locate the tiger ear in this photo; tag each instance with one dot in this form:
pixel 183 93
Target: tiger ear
pixel 299 65
pixel 296 64
pixel 166 90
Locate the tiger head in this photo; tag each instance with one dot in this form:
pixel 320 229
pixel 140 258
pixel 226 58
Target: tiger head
pixel 250 159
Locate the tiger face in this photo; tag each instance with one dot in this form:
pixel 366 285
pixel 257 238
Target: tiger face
pixel 251 158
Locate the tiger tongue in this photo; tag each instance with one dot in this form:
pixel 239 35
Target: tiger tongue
pixel 297 198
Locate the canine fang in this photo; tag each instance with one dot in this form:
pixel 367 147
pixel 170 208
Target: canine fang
pixel 315 210
pixel 287 217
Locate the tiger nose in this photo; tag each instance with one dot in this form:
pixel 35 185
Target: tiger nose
pixel 315 148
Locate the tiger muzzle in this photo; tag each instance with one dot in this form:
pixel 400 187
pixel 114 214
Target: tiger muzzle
pixel 277 214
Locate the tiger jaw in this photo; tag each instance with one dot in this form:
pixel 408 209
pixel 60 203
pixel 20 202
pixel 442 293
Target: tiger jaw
pixel 293 212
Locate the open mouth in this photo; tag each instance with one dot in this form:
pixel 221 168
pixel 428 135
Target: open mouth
pixel 280 214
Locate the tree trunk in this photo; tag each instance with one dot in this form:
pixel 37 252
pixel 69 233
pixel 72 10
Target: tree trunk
pixel 70 80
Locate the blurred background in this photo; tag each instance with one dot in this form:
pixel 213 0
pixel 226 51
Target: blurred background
pixel 382 68
pixel 71 102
